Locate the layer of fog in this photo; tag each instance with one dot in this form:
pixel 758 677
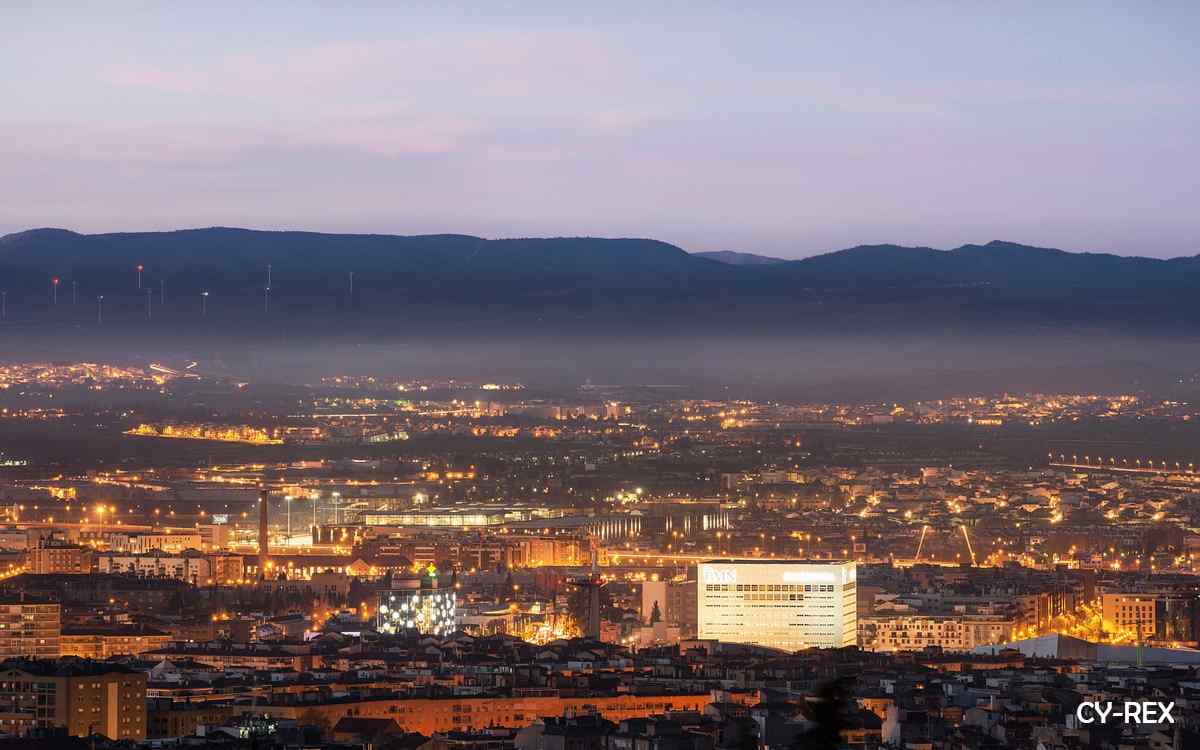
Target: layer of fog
pixel 876 367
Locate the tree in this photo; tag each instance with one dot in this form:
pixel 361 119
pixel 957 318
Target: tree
pixel 829 714
pixel 740 734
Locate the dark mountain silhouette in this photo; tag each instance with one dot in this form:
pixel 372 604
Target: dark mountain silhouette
pixel 999 264
pixel 435 277
pixel 734 258
pixel 225 258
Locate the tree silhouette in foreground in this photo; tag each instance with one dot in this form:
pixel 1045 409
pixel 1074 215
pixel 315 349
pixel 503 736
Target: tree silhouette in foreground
pixel 828 711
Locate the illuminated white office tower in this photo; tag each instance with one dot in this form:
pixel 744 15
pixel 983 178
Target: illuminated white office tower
pixel 784 604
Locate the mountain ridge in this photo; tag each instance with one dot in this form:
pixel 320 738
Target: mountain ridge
pixel 736 258
pixel 582 278
pixel 44 232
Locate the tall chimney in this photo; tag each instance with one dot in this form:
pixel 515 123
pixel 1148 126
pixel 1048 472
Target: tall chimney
pixel 264 551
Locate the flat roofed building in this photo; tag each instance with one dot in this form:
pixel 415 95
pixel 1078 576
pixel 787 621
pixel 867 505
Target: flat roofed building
pixel 30 629
pixel 1130 612
pixel 783 604
pixel 83 697
pixel 1164 616
pixel 417 604
pixel 192 565
pixel 104 642
pixel 478 713
pixel 54 556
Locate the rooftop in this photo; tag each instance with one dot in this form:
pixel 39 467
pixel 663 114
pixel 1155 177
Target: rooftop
pixel 772 561
pixel 65 667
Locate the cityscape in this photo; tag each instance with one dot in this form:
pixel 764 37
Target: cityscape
pixel 599 376
pixel 375 559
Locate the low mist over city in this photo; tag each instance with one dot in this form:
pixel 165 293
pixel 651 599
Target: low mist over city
pixel 579 377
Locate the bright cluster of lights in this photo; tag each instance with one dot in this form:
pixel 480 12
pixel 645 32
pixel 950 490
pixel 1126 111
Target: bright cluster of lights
pixel 428 611
pixel 209 432
pixel 550 629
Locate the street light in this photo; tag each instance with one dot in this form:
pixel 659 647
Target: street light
pixel 140 268
pixel 337 499
pixel 54 290
pixel 203 303
pixel 100 310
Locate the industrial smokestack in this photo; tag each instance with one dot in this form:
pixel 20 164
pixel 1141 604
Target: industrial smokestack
pixel 264 546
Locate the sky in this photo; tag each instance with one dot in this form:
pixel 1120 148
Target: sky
pixel 786 129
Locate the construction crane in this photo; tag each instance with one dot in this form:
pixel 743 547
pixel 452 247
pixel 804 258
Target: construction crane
pixel 966 536
pixel 921 543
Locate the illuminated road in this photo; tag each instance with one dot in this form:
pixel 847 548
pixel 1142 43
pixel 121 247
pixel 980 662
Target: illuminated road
pixel 104 527
pixel 1162 468
pixel 628 558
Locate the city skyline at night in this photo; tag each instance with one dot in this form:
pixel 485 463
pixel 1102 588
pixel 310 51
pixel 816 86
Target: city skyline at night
pixel 567 376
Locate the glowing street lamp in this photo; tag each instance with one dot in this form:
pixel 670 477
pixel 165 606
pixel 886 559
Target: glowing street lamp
pixel 140 268
pixel 203 303
pixel 54 290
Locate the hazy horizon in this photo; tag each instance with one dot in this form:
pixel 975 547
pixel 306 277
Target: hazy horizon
pixel 780 130
pixel 692 251
pixel 866 366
